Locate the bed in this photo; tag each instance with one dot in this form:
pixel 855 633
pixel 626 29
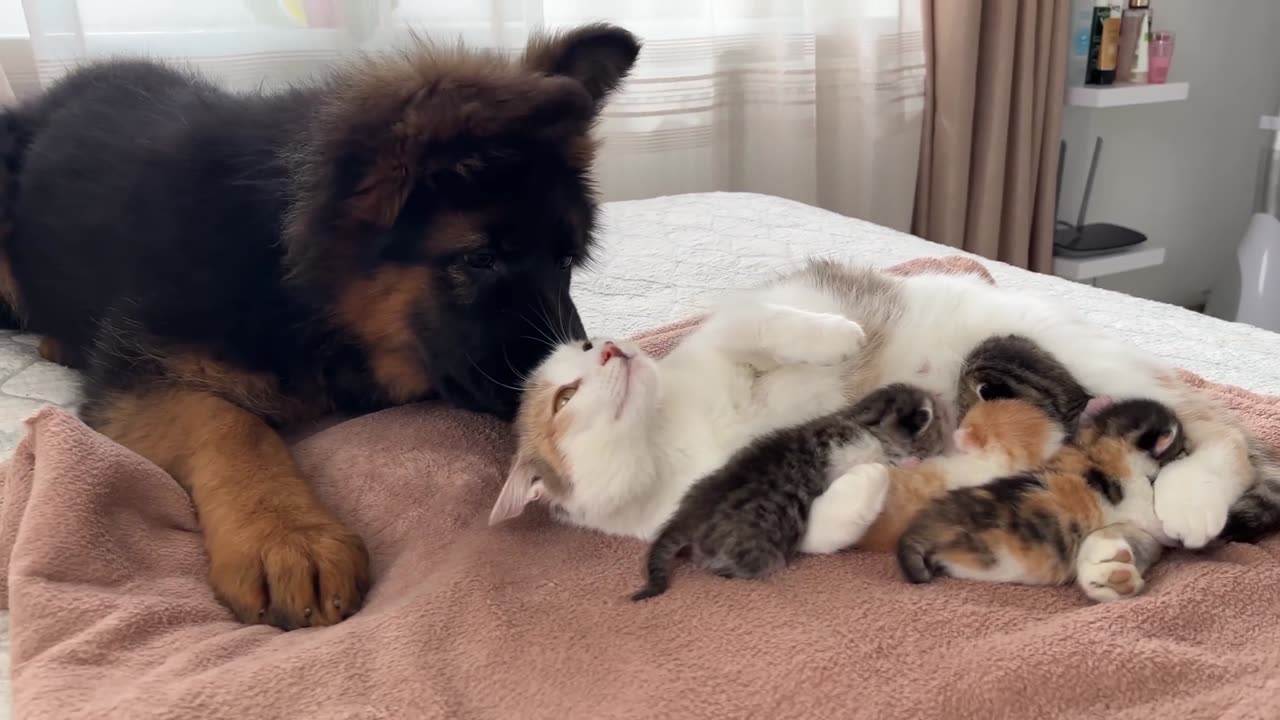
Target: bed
pixel 660 259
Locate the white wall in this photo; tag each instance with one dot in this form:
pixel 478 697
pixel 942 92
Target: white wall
pixel 1184 173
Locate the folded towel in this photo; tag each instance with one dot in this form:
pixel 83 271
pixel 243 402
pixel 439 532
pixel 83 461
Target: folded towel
pixel 104 575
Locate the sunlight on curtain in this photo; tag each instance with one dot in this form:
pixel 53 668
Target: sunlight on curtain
pixel 818 100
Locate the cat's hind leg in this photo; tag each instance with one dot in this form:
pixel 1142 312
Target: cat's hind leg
pixel 1112 561
pixel 787 335
pixel 839 517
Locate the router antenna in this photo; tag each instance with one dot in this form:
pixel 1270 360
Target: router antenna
pixel 1088 183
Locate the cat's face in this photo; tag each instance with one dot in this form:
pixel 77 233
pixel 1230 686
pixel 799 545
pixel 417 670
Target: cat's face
pixel 1015 431
pixel 584 399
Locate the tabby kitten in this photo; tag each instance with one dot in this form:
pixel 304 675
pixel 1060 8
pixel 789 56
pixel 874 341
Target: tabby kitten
pixel 748 518
pixel 1014 366
pixel 1088 514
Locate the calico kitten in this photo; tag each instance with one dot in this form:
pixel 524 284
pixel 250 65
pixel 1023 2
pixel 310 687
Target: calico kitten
pixel 1088 514
pixel 748 518
pixel 996 438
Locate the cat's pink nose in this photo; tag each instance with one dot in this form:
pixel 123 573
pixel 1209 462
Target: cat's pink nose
pixel 609 352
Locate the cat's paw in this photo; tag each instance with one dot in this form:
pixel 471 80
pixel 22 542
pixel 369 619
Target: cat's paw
pixel 1192 501
pixel 840 516
pixel 816 338
pixel 1105 569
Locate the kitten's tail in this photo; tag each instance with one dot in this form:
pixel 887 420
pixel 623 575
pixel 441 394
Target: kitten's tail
pixel 662 553
pixel 914 551
pixel 1256 514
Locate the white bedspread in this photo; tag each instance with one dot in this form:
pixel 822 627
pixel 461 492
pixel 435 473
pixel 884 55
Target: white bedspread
pixel 661 259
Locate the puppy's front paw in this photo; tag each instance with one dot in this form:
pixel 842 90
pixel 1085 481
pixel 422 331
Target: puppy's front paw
pixel 288 570
pixel 1192 501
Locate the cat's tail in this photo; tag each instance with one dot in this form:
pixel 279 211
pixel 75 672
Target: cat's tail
pixel 662 555
pixel 914 557
pixel 1256 514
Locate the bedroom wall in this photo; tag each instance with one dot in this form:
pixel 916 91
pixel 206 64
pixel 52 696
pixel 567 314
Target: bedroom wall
pixel 1184 173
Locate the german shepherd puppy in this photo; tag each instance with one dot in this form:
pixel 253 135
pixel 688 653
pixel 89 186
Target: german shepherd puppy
pixel 221 265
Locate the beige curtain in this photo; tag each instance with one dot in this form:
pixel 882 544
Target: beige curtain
pixel 993 120
pixel 819 101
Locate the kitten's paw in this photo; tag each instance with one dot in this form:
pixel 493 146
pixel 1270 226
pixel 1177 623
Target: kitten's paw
pixel 1192 501
pixel 840 516
pixel 1105 569
pixel 816 338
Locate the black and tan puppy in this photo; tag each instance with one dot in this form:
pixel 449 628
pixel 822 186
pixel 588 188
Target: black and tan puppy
pixel 221 265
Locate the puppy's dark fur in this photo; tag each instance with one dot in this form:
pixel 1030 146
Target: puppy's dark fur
pixel 220 264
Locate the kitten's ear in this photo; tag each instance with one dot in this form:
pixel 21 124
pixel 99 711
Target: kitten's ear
pixel 964 439
pixel 1095 406
pixel 522 487
pixel 1166 441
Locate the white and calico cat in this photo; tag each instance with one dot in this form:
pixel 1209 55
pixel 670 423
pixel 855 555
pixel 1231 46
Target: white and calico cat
pixel 614 439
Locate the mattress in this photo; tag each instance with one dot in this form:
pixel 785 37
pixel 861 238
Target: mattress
pixel 663 258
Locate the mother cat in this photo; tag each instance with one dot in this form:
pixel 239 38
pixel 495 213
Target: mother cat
pixel 918 329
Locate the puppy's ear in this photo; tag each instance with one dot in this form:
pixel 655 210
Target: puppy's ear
pixel 598 56
pixel 450 129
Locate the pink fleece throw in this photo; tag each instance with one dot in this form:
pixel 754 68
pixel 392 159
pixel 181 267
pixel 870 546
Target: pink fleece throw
pixel 104 575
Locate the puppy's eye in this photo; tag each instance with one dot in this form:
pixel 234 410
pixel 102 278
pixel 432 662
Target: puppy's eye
pixel 586 346
pixel 481 260
pixel 563 396
pixel 565 262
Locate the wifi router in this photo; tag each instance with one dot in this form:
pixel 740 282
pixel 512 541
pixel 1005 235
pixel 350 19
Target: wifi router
pixel 1081 240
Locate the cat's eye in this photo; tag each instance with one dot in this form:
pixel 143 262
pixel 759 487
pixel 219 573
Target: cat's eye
pixel 565 262
pixel 481 260
pixel 586 346
pixel 563 396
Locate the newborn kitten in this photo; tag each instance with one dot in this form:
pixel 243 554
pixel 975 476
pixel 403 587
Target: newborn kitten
pixel 1014 366
pixel 995 438
pixel 1088 514
pixel 748 518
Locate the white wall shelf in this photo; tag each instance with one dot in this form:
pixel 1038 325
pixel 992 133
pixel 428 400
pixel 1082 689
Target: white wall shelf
pixel 1088 268
pixel 1103 96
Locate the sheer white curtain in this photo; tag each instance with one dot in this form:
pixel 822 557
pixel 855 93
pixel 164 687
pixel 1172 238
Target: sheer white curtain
pixel 819 100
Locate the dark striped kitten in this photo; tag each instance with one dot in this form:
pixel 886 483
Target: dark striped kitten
pixel 748 518
pixel 1088 514
pixel 1008 367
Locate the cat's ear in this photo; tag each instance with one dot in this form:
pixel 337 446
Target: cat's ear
pixel 964 440
pixel 522 487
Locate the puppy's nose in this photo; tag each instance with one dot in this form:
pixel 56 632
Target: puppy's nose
pixel 609 352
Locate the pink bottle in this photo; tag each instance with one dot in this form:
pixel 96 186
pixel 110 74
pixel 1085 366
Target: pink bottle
pixel 1161 56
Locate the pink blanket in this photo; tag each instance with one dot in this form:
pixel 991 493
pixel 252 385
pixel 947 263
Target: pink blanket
pixel 103 572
